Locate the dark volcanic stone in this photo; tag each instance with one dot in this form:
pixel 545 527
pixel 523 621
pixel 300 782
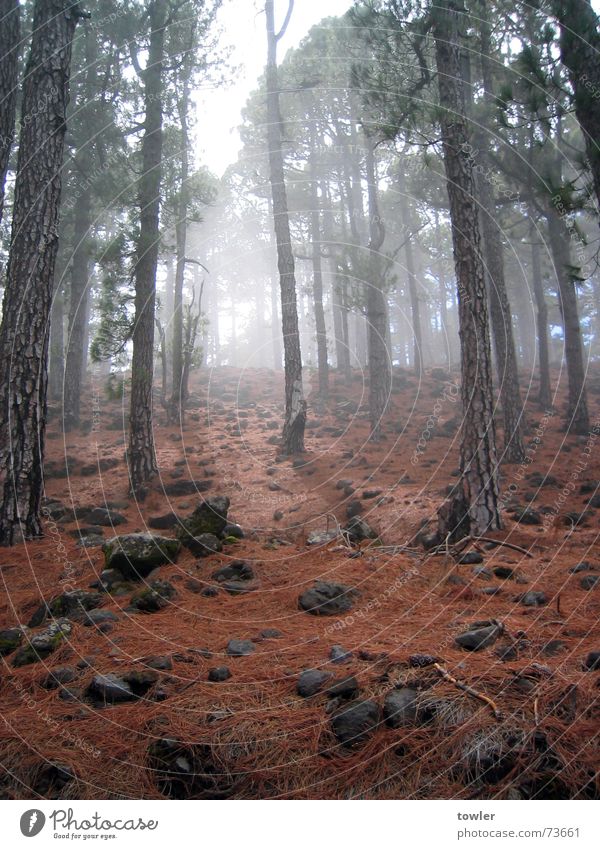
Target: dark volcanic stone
pixel 186 487
pixel 234 531
pixel 592 661
pixel 71 603
pixel 477 638
pixel 528 517
pixel 237 570
pixel 554 647
pixel 343 688
pixel 57 677
pixel 209 517
pixel 240 648
pixel 419 661
pixel 110 689
pixel 327 599
pixel 105 518
pixel 338 654
pixel 219 673
pixel 356 722
pixel 40 646
pixel 154 597
pixel 589 582
pixel 10 640
pixel 505 573
pixel 270 634
pixel 353 509
pixel 203 545
pixel 311 681
pixel 163 523
pixel 470 558
pixel 533 598
pixel 359 530
pixel 584 566
pixel 399 707
pixel 99 617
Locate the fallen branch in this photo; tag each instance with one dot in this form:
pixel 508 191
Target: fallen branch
pixel 505 544
pixel 469 690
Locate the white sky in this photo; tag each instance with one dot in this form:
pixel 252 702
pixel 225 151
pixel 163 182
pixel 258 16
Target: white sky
pixel 243 24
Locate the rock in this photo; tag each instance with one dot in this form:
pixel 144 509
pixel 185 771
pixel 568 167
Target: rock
pixel 99 617
pixel 186 487
pixel 342 484
pixel 10 640
pixel 237 570
pixel 343 688
pixel 584 566
pixel 160 662
pixel 338 654
pixel 239 587
pixel 203 545
pixel 270 634
pixel 589 582
pixel 311 681
pixel 506 651
pixel 399 707
pixel 353 509
pixel 470 558
pixel 359 530
pixel 163 523
pixel 592 661
pixel 71 603
pixel 209 592
pixel 327 599
pixel 278 515
pixel 233 531
pixel 371 493
pixel 240 648
pixel 533 598
pixel 594 501
pixel 321 537
pixel 554 647
pixel 219 673
pixel 478 637
pixel 209 517
pixel 356 722
pixel 505 573
pixel 59 676
pixel 528 517
pixel 140 680
pixel 482 572
pixel 194 585
pixel 110 689
pixel 41 645
pixel 153 598
pixel 491 591
pixel 136 555
pixel 105 518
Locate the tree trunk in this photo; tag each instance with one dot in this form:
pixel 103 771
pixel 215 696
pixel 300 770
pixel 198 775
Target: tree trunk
pixel 56 364
pixel 295 405
pixel 141 454
pixel 545 393
pixel 580 45
pixel 30 270
pixel 412 286
pixel 9 68
pixel 577 420
pixel 315 226
pixel 379 363
pixel 476 508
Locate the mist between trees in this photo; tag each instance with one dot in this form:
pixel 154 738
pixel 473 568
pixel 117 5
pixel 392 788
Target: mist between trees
pixel 416 188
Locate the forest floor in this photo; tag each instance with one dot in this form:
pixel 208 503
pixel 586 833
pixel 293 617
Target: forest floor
pixel 252 735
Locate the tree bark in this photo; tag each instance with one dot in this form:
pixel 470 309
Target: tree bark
pixel 295 405
pixel 577 419
pixel 412 286
pixel 30 270
pixel 379 361
pixel 141 455
pixel 10 25
pixel 545 393
pixel 315 226
pixel 476 507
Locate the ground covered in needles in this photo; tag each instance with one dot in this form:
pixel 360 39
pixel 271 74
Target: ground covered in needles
pixel 281 631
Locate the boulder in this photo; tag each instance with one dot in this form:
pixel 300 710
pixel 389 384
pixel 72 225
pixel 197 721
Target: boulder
pixel 209 517
pixel 327 599
pixel 163 523
pixel 358 530
pixel 343 688
pixel 10 640
pixel 136 555
pixel 203 545
pixel 240 648
pixel 153 598
pixel 72 603
pixel 533 598
pixel 105 518
pixel 356 722
pixel 479 636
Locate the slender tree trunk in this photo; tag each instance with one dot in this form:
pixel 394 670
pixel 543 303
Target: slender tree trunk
pixel 141 455
pixel 295 405
pixel 379 363
pixel 30 271
pixel 56 354
pixel 545 393
pixel 476 508
pixel 412 285
pixel 577 411
pixel 9 67
pixel 315 226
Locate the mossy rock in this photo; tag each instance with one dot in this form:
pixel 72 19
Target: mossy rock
pixel 209 517
pixel 154 597
pixel 73 602
pixel 136 555
pixel 40 646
